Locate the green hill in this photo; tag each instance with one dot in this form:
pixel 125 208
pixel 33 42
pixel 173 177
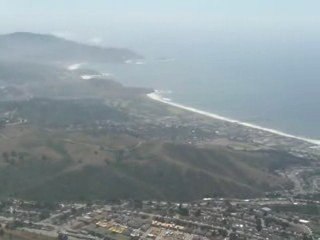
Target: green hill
pixel 55 166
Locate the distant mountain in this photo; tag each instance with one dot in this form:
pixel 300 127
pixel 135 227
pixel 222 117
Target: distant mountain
pixel 40 47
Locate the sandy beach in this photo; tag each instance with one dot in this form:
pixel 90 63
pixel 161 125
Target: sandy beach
pixel 157 97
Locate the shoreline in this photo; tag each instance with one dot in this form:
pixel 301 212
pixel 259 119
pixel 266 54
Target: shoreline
pixel 156 96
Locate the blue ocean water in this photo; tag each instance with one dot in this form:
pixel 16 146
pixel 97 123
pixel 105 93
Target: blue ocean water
pixel 271 84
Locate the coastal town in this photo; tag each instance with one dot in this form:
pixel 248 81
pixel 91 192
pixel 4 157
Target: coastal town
pixel 209 218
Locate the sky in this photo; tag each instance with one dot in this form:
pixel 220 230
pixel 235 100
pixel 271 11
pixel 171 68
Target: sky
pixel 125 22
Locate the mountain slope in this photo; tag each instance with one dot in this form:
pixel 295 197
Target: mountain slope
pixel 55 166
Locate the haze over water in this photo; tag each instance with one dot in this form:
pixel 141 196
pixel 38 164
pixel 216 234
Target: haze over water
pixel 275 84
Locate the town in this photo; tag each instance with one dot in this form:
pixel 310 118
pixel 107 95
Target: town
pixel 209 218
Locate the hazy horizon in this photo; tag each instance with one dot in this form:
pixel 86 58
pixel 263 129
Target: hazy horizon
pixel 141 24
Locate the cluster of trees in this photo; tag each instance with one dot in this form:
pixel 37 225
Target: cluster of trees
pixel 12 157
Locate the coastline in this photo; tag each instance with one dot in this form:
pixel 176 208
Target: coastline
pixel 156 96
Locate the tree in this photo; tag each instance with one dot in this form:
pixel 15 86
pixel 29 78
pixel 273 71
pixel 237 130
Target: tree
pixel 183 211
pixel 13 153
pixel 119 155
pixel 197 213
pixel 223 232
pixel 259 226
pixel 307 237
pixel 44 215
pixel 233 236
pixel 5 156
pixel 62 237
pixel 137 204
pixel 21 157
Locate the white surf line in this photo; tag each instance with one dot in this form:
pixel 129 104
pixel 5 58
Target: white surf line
pixel 157 97
pixel 89 77
pixel 136 62
pixel 75 66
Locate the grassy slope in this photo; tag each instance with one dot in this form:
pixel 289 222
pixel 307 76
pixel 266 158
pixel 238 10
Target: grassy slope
pixel 57 166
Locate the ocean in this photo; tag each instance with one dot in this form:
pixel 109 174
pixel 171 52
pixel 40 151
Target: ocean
pixel 271 84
